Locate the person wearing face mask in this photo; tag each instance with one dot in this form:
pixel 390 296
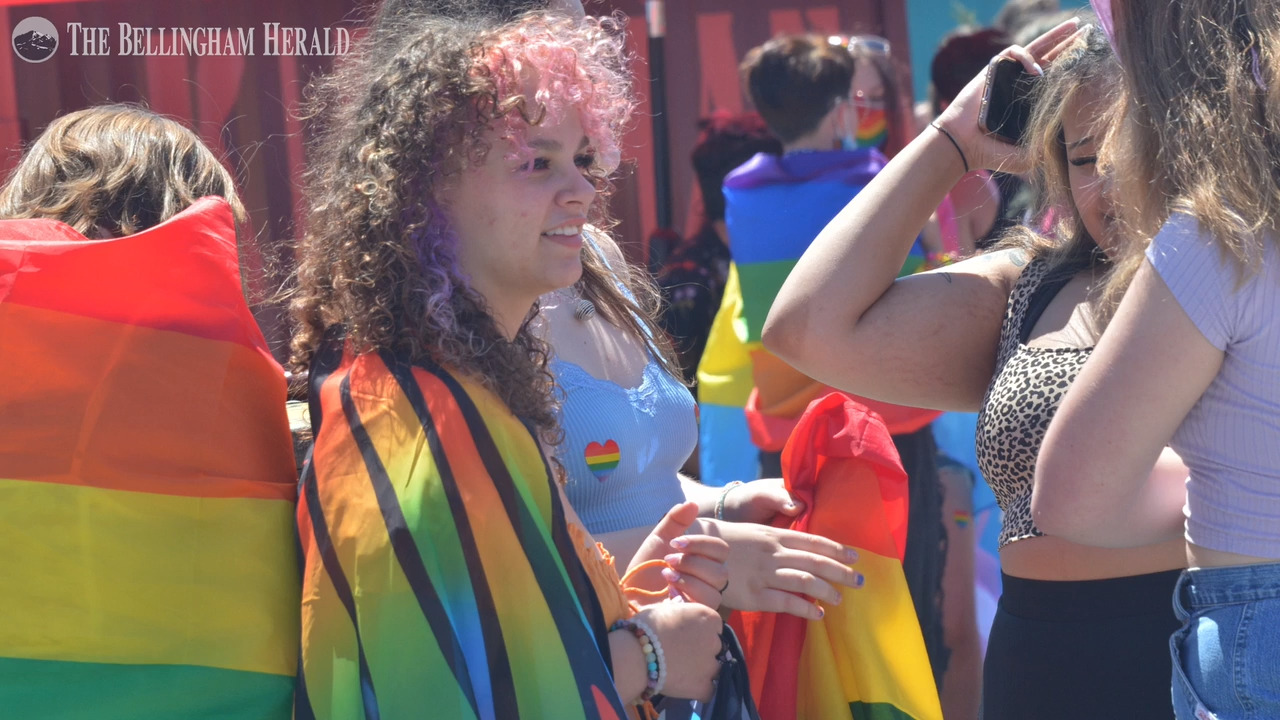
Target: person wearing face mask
pixel 804 87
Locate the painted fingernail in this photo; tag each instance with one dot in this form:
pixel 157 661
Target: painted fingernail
pixel 680 543
pixel 671 576
pixel 1039 70
pixel 850 555
pixel 673 559
pixel 839 599
pixel 821 613
pixel 859 580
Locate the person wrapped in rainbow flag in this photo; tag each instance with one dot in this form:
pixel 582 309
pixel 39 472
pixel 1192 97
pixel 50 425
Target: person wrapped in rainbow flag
pixel 444 574
pixel 147 483
pixel 816 94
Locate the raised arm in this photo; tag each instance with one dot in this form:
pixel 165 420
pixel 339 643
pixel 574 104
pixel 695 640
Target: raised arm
pixel 928 340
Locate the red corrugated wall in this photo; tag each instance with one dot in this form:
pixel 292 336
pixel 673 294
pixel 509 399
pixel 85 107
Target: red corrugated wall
pixel 247 107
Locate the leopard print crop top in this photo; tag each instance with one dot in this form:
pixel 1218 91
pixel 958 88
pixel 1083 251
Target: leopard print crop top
pixel 1025 392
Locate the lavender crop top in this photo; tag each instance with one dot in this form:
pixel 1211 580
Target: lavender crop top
pixel 1230 439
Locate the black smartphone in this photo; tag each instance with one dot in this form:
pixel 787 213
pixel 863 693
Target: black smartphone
pixel 1007 101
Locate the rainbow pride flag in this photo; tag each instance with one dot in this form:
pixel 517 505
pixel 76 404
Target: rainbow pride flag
pixel 147 483
pixel 774 208
pixel 866 659
pixel 440 576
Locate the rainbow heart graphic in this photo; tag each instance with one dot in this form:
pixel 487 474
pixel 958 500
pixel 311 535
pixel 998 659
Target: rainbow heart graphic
pixel 602 459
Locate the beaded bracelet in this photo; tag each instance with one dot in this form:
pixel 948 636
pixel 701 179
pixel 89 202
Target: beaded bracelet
pixel 655 662
pixel 723 495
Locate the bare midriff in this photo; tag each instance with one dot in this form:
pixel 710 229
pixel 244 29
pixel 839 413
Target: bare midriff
pixel 1051 558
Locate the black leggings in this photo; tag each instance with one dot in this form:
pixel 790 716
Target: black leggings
pixel 1094 649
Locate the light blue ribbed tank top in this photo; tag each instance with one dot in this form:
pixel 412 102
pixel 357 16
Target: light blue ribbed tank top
pixel 623 446
pixel 651 429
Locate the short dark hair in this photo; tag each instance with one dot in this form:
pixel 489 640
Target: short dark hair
pixel 795 81
pixel 725 142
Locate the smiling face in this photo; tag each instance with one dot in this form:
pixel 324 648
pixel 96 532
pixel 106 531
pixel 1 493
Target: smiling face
pixel 1082 132
pixel 519 225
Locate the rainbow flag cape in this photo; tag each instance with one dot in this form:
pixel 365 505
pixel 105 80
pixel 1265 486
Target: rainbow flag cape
pixel 147 484
pixel 440 578
pixel 774 208
pixel 865 660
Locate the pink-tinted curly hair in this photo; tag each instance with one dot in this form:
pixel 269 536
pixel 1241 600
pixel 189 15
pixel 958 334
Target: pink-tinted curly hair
pixel 394 127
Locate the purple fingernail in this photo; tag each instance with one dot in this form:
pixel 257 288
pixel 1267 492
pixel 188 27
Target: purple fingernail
pixel 858 580
pixel 850 555
pixel 680 543
pixel 671 576
pixel 821 613
pixel 673 559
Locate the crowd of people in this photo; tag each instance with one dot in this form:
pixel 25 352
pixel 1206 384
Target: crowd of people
pixel 540 482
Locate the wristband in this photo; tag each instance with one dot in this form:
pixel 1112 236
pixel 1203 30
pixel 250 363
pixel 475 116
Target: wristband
pixel 943 130
pixel 655 662
pixel 720 502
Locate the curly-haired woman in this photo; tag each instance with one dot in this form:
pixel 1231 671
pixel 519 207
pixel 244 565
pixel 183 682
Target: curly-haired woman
pixel 444 573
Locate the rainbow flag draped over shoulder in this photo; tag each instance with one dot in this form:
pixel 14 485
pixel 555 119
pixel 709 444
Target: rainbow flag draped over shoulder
pixel 146 479
pixel 865 660
pixel 774 208
pixel 440 577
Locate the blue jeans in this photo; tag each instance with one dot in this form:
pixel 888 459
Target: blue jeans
pixel 1226 656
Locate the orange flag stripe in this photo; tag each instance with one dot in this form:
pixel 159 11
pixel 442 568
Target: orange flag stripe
pixel 176 414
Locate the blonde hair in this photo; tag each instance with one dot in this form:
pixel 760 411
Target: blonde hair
pixel 115 170
pixel 1201 120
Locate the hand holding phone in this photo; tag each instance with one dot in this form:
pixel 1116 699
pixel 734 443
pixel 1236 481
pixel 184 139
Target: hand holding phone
pixel 1007 100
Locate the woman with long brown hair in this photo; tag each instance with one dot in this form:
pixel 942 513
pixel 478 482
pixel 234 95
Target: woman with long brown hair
pixel 1192 358
pixel 1079 631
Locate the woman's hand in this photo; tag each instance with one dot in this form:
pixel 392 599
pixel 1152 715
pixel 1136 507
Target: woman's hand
pixel 758 501
pixel 690 637
pixel 772 569
pixel 960 119
pixel 698 569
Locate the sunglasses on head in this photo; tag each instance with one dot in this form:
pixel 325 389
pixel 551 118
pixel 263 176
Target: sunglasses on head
pixel 875 43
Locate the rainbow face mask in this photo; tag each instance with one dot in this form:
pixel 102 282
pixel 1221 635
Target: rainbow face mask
pixel 872 130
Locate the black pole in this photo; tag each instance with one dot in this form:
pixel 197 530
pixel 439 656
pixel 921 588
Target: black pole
pixel 656 15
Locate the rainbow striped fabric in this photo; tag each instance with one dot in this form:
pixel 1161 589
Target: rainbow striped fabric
pixel 865 660
pixel 774 208
pixel 147 484
pixel 440 577
pixel 873 128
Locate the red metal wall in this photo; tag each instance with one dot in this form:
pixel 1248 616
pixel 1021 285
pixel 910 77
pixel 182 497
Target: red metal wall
pixel 246 107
